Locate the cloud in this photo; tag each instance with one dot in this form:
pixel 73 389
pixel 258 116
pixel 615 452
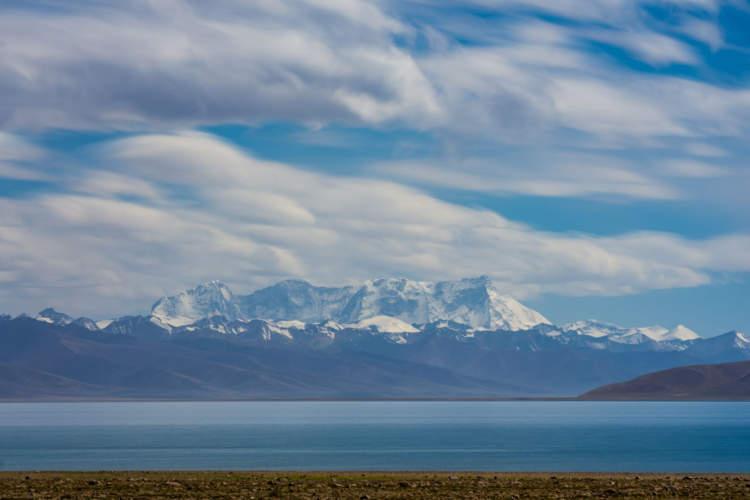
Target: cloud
pixel 14 148
pixel 705 150
pixel 654 48
pixel 146 64
pixel 693 169
pixel 556 175
pixel 251 222
pixel 513 91
pixel 606 11
pixel 15 154
pixel 182 63
pixel 111 184
pixel 543 81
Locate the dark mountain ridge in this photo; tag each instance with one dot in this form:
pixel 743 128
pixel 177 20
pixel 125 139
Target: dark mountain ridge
pixel 730 381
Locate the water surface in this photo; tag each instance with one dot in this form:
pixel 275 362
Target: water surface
pixel 495 436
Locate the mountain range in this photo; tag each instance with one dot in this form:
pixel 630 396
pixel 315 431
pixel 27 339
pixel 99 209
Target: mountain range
pixel 387 338
pixel 474 302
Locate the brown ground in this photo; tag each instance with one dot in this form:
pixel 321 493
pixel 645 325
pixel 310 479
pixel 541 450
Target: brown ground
pixel 367 485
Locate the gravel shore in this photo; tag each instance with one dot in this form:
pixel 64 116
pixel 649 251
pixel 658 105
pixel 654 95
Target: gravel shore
pixel 369 485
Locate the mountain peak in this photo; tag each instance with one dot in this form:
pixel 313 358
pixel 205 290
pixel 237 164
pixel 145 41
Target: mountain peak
pixel 472 301
pixel 593 328
pixel 50 315
pixel 741 338
pixel 475 302
pixel 295 300
pixel 386 324
pixel 212 298
pixel 681 332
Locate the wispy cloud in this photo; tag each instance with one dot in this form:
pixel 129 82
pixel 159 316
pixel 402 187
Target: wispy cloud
pixel 604 102
pixel 558 176
pixel 180 63
pixel 694 169
pixel 15 156
pixel 250 222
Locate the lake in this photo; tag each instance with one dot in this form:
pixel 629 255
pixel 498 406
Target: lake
pixel 481 436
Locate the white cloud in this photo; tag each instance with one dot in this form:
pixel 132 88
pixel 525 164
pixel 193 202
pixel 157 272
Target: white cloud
pixel 111 184
pixel 694 169
pixel 557 175
pixel 114 254
pixel 15 154
pixel 606 11
pixel 14 148
pixel 9 171
pixel 704 31
pixel 146 64
pixel 653 48
pixel 603 108
pixel 705 150
pixel 160 211
pixel 180 63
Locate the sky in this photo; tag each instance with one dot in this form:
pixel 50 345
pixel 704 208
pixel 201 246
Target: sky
pixel 590 156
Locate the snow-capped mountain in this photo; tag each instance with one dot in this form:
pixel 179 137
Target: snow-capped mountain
pixel 616 333
pixel 295 300
pixel 680 332
pixel 448 336
pixel 204 301
pixel 474 302
pixel 53 317
pixel 392 306
pixel 386 324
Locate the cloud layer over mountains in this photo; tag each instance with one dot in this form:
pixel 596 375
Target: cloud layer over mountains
pixel 617 102
pixel 166 210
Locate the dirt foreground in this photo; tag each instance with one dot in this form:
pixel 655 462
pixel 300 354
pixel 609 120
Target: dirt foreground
pixel 367 485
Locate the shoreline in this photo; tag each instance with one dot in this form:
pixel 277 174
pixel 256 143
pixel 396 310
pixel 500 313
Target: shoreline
pixel 370 485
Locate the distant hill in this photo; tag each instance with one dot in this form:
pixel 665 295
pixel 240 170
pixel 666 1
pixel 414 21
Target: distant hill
pixel 697 382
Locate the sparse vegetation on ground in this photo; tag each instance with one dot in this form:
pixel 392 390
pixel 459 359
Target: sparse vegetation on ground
pixel 355 485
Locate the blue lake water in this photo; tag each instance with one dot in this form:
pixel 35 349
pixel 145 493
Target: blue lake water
pixel 495 436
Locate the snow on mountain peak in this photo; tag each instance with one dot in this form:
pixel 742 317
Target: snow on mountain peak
pixel 473 301
pixel 741 340
pixel 386 324
pixel 509 314
pixel 661 334
pixel 205 300
pixel 594 328
pixel 291 324
pixel 295 300
pixel 49 315
pixel 680 332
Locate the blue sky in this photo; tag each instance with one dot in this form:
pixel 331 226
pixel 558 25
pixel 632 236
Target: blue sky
pixel 590 156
